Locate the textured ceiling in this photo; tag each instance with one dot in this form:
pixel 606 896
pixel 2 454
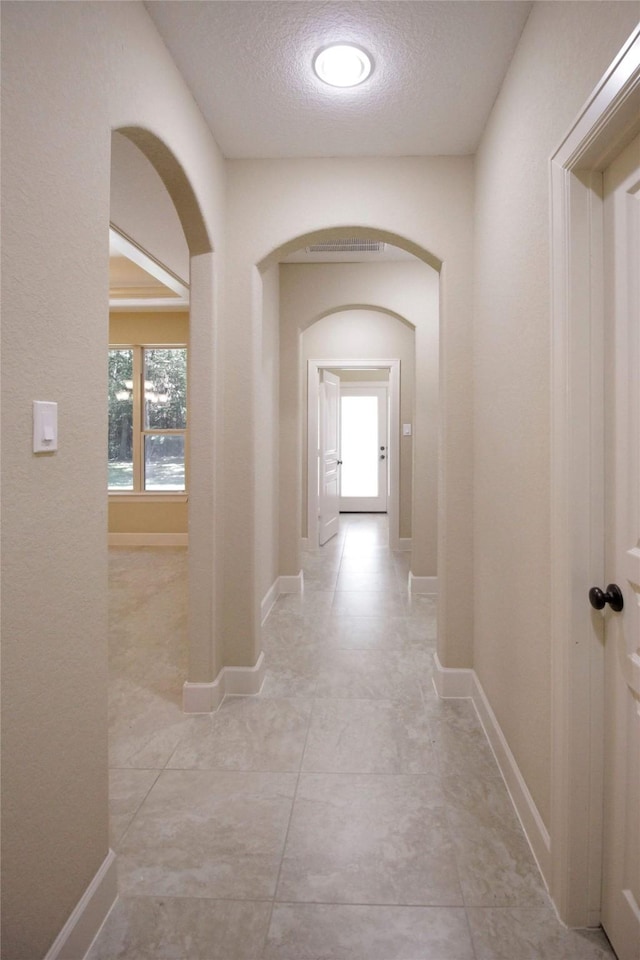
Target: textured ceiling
pixel 438 68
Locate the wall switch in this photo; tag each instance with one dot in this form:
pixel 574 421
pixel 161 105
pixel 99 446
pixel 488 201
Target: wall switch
pixel 45 426
pixel 406 429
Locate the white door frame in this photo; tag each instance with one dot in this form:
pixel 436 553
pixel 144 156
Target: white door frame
pixel 606 124
pixel 313 378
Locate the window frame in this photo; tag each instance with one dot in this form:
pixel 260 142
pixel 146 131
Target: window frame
pixel 139 431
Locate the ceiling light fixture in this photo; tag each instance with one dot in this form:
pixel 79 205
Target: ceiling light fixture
pixel 342 65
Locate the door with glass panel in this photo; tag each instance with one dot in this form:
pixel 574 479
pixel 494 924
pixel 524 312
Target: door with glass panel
pixel 364 449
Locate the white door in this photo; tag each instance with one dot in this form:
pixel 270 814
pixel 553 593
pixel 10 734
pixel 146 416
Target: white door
pixel 328 456
pixel 621 873
pixel 364 449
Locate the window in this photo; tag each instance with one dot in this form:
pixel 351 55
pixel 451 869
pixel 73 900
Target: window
pixel 147 419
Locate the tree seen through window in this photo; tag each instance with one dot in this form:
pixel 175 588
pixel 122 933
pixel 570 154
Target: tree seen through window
pixel 147 418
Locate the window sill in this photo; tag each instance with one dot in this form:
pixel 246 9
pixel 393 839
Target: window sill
pixel 151 496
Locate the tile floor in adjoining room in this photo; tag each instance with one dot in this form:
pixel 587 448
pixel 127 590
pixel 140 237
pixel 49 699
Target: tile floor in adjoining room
pixel 345 813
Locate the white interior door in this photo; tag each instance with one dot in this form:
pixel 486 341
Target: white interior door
pixel 364 449
pixel 328 456
pixel 621 866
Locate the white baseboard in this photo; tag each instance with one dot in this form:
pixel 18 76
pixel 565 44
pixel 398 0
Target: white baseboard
pixel 404 543
pixel 244 681
pixel 464 684
pixel 452 682
pixel 84 924
pixel 423 584
pixel 532 823
pixel 293 584
pixel 203 697
pixel 288 584
pixel 268 600
pixel 148 539
pixel 230 682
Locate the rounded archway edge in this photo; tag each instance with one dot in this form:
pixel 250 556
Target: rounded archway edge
pixel 367 233
pixel 347 307
pixel 178 185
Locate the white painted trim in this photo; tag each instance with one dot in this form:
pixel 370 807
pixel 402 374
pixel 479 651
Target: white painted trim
pixel 452 682
pixel 230 682
pixel 304 543
pixel 168 304
pixel 244 681
pixel 268 601
pixel 603 127
pixel 86 920
pixel 138 496
pixel 203 697
pixel 286 584
pixel 427 585
pixel 313 375
pixel 148 539
pixel 291 584
pixel 405 543
pixel 124 245
pixel 532 823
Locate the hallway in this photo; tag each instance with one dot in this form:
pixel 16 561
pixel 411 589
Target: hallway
pixel 345 813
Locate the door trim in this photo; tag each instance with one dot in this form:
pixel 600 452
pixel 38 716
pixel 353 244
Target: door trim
pixel 606 124
pixel 313 374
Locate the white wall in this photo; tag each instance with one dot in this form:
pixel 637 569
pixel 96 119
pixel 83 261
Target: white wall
pixel 564 49
pixel 71 73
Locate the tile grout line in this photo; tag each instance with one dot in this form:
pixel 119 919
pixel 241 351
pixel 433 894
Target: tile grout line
pixel 286 836
pixel 449 829
pixel 138 808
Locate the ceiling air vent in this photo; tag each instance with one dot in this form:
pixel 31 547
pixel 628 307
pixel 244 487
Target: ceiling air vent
pixel 353 245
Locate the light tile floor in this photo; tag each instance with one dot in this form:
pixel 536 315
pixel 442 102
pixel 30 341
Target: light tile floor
pixel 345 813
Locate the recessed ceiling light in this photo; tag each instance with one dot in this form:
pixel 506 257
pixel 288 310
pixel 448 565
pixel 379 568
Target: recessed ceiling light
pixel 342 65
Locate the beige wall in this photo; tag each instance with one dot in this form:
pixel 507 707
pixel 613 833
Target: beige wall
pixel 134 517
pixel 564 49
pixel 366 335
pixel 143 210
pixel 267 434
pixel 130 327
pixel 71 72
pixel 139 515
pixel 354 377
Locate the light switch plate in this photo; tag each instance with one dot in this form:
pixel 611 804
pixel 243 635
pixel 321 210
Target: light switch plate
pixel 45 426
pixel 406 429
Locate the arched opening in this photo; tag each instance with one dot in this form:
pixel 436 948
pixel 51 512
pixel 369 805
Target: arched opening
pixel 297 292
pixel 368 349
pixel 166 501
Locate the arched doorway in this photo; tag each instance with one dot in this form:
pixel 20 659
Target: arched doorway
pixel 292 296
pixel 204 656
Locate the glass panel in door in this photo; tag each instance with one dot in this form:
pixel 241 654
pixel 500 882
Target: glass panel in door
pixel 363 449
